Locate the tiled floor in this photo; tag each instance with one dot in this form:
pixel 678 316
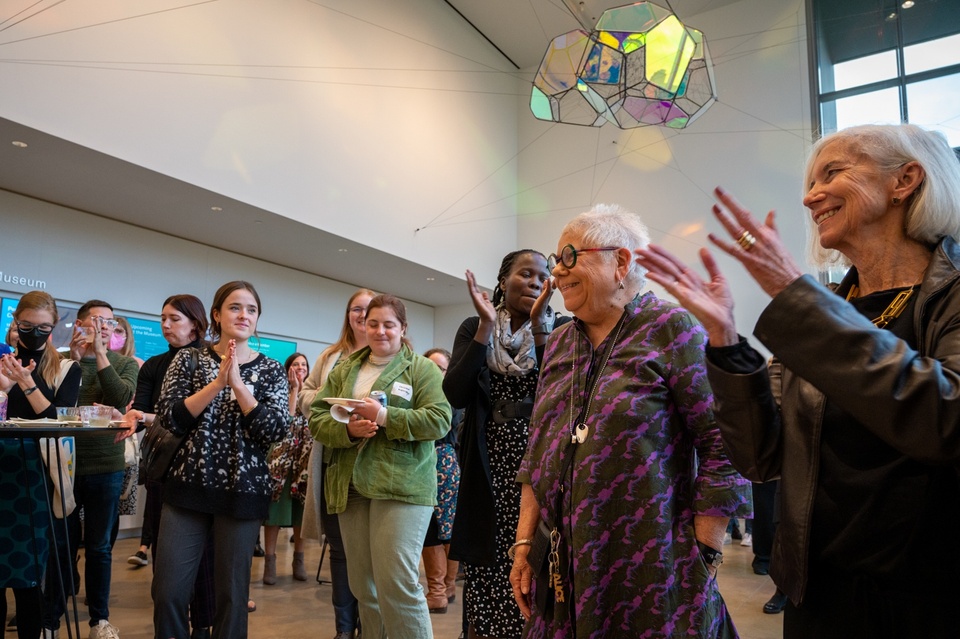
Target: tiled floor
pixel 302 609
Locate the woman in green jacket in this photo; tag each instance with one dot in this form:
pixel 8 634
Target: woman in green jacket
pixel 381 478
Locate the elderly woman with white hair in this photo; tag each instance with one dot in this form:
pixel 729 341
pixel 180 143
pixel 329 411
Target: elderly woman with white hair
pixel 859 413
pixel 626 488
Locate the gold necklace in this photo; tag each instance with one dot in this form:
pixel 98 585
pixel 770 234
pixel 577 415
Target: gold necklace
pixel 246 359
pixel 893 310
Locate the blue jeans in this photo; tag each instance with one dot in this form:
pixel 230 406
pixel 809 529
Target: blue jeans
pixel 99 496
pixel 383 540
pixel 180 545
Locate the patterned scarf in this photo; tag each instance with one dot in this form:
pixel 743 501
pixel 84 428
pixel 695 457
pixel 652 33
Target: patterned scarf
pixel 513 353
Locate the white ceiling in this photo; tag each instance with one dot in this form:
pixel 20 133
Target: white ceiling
pixel 522 29
pixel 64 173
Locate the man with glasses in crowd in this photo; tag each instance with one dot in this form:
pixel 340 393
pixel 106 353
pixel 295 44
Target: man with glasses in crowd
pixel 111 379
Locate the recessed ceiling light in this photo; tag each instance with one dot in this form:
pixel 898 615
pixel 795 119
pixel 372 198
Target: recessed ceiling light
pixel 19 144
pixel 430 279
pixel 892 17
pixel 907 4
pixel 216 208
pixel 342 250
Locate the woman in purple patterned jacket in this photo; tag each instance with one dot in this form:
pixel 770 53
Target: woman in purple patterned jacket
pixel 625 472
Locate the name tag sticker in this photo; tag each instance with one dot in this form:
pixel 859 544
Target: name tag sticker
pixel 233 395
pixel 402 390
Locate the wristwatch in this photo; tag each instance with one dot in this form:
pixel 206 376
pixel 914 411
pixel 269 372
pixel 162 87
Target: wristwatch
pixel 710 556
pixel 29 390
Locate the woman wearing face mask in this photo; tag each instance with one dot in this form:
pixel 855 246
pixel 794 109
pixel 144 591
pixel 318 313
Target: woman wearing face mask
pixel 382 476
pixel 288 463
pixel 184 325
pixel 121 340
pixel 353 337
pixel 493 374
pixel 36 383
pixel 231 407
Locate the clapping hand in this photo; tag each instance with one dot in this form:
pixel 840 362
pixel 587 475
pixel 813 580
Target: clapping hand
pixel 538 312
pixel 757 246
pixel 481 301
pixel 15 372
pixel 229 374
pixel 295 380
pixel 709 300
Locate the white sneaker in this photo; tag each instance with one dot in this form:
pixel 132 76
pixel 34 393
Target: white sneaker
pixel 104 630
pixel 747 540
pixel 51 634
pixel 727 539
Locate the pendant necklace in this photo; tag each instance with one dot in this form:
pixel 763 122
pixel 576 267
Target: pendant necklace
pixel 580 431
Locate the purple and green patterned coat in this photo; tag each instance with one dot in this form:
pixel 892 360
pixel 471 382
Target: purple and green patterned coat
pixel 652 461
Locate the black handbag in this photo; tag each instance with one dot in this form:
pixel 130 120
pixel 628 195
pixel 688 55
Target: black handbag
pixel 160 444
pixel 537 558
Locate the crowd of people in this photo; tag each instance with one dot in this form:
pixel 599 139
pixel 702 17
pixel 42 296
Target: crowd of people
pixel 581 470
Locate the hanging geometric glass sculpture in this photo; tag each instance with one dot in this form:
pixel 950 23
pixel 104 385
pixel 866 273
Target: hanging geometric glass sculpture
pixel 640 66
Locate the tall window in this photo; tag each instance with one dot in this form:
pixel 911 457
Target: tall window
pixel 888 61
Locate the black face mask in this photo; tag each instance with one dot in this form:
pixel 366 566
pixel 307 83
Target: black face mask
pixel 33 340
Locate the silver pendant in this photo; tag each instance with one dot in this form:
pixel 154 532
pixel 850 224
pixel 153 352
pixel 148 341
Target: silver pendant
pixel 581 435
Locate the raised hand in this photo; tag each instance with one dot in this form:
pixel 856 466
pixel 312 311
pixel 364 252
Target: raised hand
pixel 294 380
pixel 99 343
pixel 79 345
pixel 538 312
pixel 15 372
pixel 709 300
pixel 481 301
pixel 757 246
pixel 226 365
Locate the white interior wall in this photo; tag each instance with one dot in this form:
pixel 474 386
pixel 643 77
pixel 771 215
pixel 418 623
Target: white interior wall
pixel 752 142
pixel 82 256
pixel 369 119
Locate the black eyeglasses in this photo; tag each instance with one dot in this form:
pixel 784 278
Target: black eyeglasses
pixel 568 255
pixel 43 329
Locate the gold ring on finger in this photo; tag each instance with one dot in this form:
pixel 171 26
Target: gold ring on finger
pixel 746 240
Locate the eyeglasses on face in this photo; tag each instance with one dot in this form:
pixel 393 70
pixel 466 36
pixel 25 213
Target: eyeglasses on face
pixel 568 255
pixel 358 310
pixel 43 329
pixel 105 321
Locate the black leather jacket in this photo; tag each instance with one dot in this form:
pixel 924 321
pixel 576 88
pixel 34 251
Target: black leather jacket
pixel 825 348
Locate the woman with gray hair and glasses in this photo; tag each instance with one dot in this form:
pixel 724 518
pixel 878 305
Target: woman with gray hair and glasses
pixel 859 414
pixel 625 485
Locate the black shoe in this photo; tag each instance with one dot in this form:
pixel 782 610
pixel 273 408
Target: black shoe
pixel 761 566
pixel 200 633
pixel 12 623
pixel 776 604
pixel 138 559
pixel 258 550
